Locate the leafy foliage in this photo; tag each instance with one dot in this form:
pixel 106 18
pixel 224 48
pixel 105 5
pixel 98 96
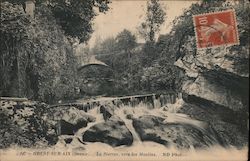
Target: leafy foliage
pixel 14 27
pixel 37 58
pixel 138 68
pixel 154 19
pixel 75 16
pixel 41 55
pixel 182 37
pixel 108 46
pixel 19 126
pixel 119 54
pixel 126 40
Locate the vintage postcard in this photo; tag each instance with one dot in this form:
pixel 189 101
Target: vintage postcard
pixel 134 80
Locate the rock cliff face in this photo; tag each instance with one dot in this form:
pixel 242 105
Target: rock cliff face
pixel 217 83
pixel 218 75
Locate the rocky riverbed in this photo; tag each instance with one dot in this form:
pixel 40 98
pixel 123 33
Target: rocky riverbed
pixel 181 126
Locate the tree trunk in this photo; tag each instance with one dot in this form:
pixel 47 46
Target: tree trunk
pixel 151 33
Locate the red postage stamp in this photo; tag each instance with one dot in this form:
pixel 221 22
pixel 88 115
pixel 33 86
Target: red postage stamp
pixel 216 29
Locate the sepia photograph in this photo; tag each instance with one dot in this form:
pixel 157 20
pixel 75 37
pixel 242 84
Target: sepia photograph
pixel 130 80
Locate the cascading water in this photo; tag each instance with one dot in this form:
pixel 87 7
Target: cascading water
pixel 129 109
pixel 122 113
pixel 77 138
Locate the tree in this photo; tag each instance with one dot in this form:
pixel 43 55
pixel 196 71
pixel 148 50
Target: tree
pixel 149 53
pixel 117 53
pixel 76 16
pixel 14 27
pixel 37 60
pixel 35 56
pixel 126 40
pixel 154 19
pixel 108 46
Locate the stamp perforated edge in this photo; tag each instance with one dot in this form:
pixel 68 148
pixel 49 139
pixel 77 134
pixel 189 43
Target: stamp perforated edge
pixel 211 13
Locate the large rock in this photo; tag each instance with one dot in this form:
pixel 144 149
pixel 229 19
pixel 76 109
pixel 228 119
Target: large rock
pixel 67 120
pixel 182 136
pixel 65 128
pixel 229 125
pixel 229 60
pixel 216 88
pixel 220 75
pixel 69 114
pixel 112 132
pixel 214 92
pixel 107 111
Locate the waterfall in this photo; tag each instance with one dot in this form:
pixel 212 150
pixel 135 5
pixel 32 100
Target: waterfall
pixel 129 109
pixel 128 122
pixel 150 101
